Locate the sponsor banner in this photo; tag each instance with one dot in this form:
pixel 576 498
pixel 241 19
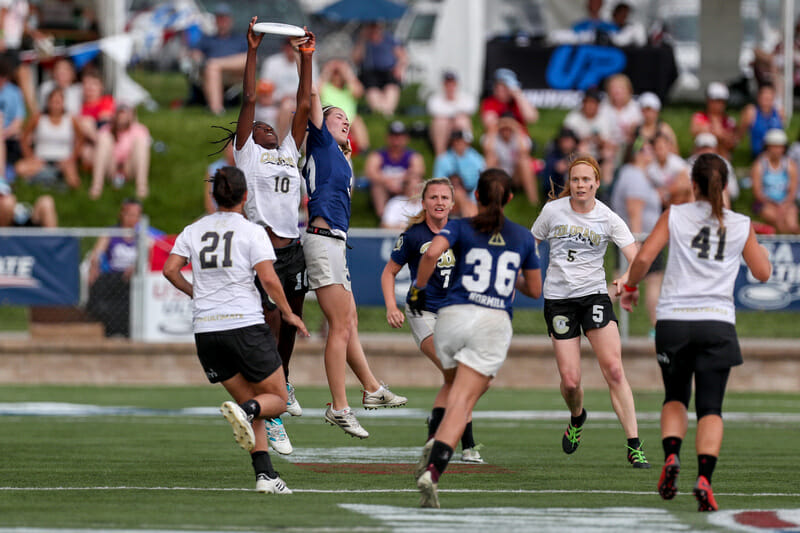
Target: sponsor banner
pixel 368 256
pixel 552 76
pixel 167 311
pixel 39 270
pixel 782 291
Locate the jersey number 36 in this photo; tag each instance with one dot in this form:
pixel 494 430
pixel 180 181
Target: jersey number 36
pixel 505 271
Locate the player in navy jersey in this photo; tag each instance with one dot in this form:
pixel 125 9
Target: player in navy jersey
pixel 696 317
pixel 329 179
pixel 473 328
pixel 437 202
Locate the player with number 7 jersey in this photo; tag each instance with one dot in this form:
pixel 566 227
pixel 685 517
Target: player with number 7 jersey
pixel 578 228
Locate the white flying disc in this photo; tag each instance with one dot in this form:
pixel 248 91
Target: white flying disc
pixel 277 28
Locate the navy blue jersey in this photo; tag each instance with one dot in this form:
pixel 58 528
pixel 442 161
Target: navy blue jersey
pixel 410 247
pixel 329 179
pixel 487 265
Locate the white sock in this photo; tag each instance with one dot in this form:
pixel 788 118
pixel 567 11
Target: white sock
pixel 340 411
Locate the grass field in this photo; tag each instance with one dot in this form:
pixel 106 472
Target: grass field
pixel 171 464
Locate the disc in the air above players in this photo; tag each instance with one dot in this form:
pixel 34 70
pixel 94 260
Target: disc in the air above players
pixel 278 28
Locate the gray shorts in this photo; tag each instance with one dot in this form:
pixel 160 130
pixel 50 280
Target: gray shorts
pixel 326 261
pixel 421 326
pixel 472 335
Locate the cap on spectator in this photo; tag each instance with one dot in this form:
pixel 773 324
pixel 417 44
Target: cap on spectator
pixel 507 77
pixel 775 137
pixel 649 100
pixel 717 91
pixel 397 128
pixel 705 140
pixel 592 92
pixel 449 75
pixel 461 134
pixel 265 87
pixel 223 9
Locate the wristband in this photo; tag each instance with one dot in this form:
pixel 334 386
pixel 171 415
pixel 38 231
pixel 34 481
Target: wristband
pixel 311 49
pixel 628 288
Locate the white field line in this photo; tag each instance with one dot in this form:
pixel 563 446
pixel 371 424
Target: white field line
pixel 395 491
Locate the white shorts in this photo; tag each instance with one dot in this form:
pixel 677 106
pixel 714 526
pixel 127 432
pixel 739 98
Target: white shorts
pixel 475 336
pixel 326 261
pixel 421 326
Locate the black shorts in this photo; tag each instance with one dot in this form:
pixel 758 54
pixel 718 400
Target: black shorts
pixel 250 351
pixel 566 317
pixel 378 78
pixel 696 345
pixel 290 266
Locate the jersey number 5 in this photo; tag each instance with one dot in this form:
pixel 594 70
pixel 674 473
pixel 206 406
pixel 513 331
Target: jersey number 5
pixel 702 242
pixel 208 254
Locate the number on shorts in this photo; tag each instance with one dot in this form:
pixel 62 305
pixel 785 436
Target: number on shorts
pixel 300 281
pixel 282 184
pixel 702 242
pixel 208 255
pixel 445 272
pixel 597 313
pixel 506 273
pixel 571 255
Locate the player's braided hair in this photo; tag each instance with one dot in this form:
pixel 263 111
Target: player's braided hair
pixel 420 217
pixel 710 173
pixel 226 140
pixel 494 192
pixel 228 186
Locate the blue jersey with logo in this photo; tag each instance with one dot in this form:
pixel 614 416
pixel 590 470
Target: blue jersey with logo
pixel 410 247
pixel 329 179
pixel 487 265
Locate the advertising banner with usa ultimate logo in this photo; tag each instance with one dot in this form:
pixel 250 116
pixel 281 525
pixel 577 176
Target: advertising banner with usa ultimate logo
pixel 39 270
pixel 782 291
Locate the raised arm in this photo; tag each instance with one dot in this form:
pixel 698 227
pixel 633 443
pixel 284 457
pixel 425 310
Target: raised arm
pixel 306 47
pixel 244 126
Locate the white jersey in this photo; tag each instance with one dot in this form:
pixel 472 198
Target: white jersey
pixel 702 265
pixel 273 182
pixel 223 248
pixel 578 243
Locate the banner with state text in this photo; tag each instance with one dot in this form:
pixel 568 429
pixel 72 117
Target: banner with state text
pixel 39 270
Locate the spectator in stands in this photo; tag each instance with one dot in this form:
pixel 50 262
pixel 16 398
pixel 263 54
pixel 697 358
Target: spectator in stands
pixel 463 165
pixel 382 62
pixel 714 119
pixel 340 87
pixel 652 124
pixel 12 108
pixel 50 145
pixel 112 263
pixel 706 143
pixel 96 110
pixel 757 119
pixel 399 209
pixel 507 98
pixel 389 168
pixel 775 184
pixel 225 161
pixel 593 133
pixel 636 199
pixel 450 109
pixel 593 21
pixel 15 214
pixel 221 54
pixel 556 163
pixel 15 30
pixel 123 153
pixel 620 110
pixel 266 109
pixel 509 148
pixel 63 77
pixel 629 33
pixel 669 173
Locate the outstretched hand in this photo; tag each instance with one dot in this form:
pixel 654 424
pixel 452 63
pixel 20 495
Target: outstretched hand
pixel 308 41
pixel 629 300
pixel 253 38
pixel 294 320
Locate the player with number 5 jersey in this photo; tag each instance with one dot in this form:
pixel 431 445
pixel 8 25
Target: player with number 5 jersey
pixel 578 228
pixel 473 328
pixel 695 316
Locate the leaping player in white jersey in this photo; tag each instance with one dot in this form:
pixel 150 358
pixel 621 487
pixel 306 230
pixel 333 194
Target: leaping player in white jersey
pixel 578 228
pixel 695 316
pixel 273 179
pixel 234 344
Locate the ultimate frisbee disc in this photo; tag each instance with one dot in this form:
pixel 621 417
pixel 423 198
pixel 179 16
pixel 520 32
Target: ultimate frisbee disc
pixel 277 28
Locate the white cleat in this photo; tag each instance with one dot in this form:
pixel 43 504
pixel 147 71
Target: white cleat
pixel 271 486
pixel 347 421
pixel 472 455
pixel 382 397
pixel 277 436
pixel 240 422
pixel 428 491
pixel 423 462
pixel 292 405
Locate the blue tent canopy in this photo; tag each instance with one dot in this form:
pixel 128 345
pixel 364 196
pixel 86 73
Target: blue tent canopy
pixel 362 10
